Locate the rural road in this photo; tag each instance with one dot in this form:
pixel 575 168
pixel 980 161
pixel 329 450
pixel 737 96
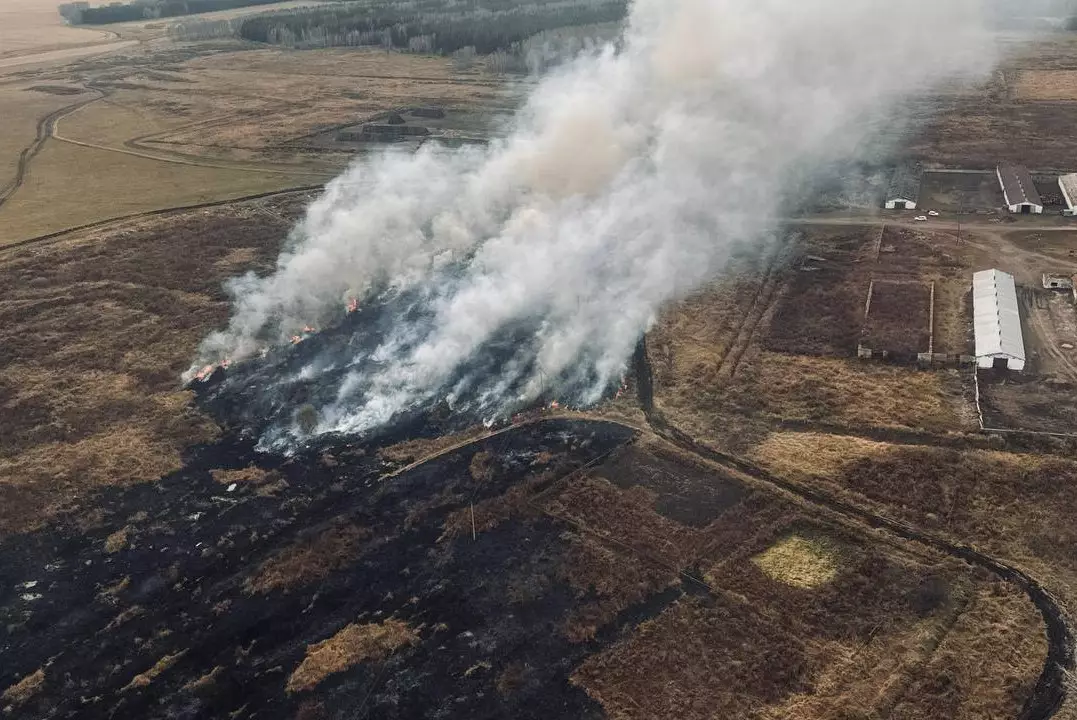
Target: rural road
pixel 875 221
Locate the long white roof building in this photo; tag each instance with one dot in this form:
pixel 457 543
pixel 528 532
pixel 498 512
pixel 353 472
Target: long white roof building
pixel 1068 184
pixel 997 320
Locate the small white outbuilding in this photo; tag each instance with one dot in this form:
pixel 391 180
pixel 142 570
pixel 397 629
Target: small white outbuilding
pixel 997 319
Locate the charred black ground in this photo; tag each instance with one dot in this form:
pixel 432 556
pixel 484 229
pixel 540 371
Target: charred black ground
pixel 95 619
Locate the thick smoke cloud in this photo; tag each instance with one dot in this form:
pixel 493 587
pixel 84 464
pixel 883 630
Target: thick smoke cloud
pixel 628 179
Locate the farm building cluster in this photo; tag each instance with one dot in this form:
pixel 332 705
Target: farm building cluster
pixel 1018 189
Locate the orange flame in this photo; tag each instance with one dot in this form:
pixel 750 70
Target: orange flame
pixel 353 304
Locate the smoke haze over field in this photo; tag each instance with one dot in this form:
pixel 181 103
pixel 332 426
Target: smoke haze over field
pixel 628 180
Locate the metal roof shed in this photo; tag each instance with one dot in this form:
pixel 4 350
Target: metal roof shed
pixel 1019 189
pixel 999 341
pixel 904 190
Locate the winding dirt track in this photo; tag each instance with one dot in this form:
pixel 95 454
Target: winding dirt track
pixel 1050 690
pixel 45 129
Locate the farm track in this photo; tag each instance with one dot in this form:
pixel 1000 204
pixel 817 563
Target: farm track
pixel 45 128
pixel 1050 691
pixel 767 294
pixel 868 221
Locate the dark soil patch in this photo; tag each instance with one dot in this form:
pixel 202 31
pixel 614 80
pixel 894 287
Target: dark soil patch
pixel 899 320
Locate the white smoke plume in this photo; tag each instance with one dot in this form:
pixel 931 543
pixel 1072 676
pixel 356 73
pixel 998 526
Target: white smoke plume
pixel 628 178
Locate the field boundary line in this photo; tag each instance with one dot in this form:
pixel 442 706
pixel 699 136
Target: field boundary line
pixel 42 239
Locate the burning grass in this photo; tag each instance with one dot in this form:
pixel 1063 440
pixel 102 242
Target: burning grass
pixel 311 558
pixel 352 645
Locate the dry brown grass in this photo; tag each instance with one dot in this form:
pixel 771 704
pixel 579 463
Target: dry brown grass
pixel 143 679
pixel 1013 505
pixel 245 476
pixel 409 451
pixel 311 558
pixel 999 636
pixel 21 109
pixel 69 185
pixel 352 645
pixel 611 580
pixel 25 689
pixel 799 454
pixel 1050 85
pixel 206 682
pixel 773 387
pixel 30 26
pixel 94 333
pixel 802 562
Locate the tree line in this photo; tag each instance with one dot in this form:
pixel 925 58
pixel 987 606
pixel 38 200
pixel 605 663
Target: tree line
pixel 81 13
pixel 413 27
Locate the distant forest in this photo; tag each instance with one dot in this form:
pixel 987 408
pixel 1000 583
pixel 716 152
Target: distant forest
pixel 484 27
pixel 81 13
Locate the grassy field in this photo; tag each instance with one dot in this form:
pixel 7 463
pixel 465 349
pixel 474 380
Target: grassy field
pixel 873 629
pixel 1031 98
pixel 234 122
pixel 32 26
pixel 1017 505
pixel 23 108
pixel 70 185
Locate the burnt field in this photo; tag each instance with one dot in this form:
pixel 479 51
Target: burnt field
pixel 198 596
pixel 558 569
pixel 899 319
pixel 822 307
pixel 1013 402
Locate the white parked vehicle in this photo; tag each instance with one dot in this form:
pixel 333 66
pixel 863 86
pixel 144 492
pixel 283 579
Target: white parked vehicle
pixel 920 218
pixel 933 213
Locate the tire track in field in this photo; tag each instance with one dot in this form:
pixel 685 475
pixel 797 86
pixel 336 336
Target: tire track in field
pixel 747 323
pixel 45 129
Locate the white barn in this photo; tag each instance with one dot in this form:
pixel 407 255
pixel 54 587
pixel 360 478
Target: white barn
pixel 999 341
pixel 1020 191
pixel 1068 185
